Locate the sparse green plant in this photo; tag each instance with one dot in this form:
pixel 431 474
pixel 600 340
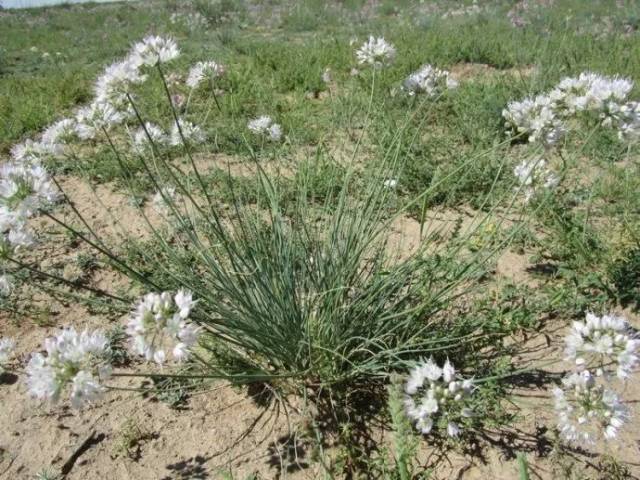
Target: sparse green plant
pixel 47 474
pixel 129 439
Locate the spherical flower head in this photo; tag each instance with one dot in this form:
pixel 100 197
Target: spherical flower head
pixel 536 119
pixel 191 133
pixel 76 360
pixel 143 138
pixel 28 152
pixel 260 124
pixel 587 411
pixel 99 115
pixel 154 50
pixel 437 396
pixel 534 176
pixel 25 189
pixel 265 125
pixel 600 341
pixel 160 323
pixel 59 134
pixel 20 237
pixel 117 81
pixel 430 81
pixel 7 348
pixel 275 132
pixel 629 122
pixel 202 71
pixel 376 52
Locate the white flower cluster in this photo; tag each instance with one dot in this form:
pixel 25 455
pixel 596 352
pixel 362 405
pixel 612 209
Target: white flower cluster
pixel 628 118
pixel 7 346
pixel 109 107
pixel 144 137
pixel 536 118
pixel 264 125
pixel 153 50
pixel 430 81
pixel 77 360
pixel 441 397
pixel 599 342
pixel 589 92
pixel 202 71
pixel 587 411
pixel 544 118
pixel 58 134
pixel 586 407
pixel 25 188
pixel 533 175
pixel 160 321
pixel 376 52
pixel 191 133
pixel 98 116
pixel 113 85
pixel 81 361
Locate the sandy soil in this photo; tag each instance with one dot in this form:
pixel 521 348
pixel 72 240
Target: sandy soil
pixel 226 429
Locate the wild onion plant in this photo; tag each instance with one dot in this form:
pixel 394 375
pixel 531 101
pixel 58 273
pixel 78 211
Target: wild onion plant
pixel 287 289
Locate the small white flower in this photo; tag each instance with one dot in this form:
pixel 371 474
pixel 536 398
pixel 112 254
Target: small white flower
pixel 376 52
pixel 430 81
pixel 59 134
pixel 586 410
pixel 25 189
pixel 536 118
pixel 442 397
pixel 453 430
pixel 429 405
pixel 191 133
pixel 77 360
pixel 184 302
pixel 265 125
pixel 141 142
pixel 20 237
pixel 116 82
pixel 533 175
pixel 85 389
pixel 204 71
pixel 448 372
pixel 160 322
pixel 28 152
pixel 424 424
pixel 99 115
pixel 599 341
pixel 153 50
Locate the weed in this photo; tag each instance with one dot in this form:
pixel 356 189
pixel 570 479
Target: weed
pixel 129 439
